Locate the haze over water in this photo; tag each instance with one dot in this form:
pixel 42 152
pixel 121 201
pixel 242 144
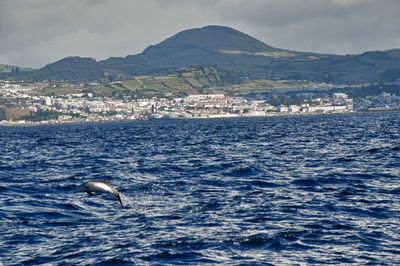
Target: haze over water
pixel 278 190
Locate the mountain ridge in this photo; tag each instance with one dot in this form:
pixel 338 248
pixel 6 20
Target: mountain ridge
pixel 234 51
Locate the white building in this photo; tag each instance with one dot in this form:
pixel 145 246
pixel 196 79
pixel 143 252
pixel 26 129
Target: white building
pixel 294 108
pixel 48 101
pixel 283 109
pixel 339 95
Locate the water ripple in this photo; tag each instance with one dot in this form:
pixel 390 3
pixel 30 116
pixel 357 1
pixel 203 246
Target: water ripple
pixel 262 191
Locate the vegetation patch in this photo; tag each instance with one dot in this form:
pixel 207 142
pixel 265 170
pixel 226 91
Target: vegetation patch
pixel 41 116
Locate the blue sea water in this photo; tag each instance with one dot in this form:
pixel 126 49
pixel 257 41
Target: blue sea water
pixel 273 190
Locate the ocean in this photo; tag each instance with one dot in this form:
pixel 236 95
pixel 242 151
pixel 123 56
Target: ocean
pixel 321 189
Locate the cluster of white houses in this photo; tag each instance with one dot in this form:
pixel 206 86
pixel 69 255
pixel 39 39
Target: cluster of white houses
pixel 85 107
pixel 192 106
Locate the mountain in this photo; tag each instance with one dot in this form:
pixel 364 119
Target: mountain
pixel 236 52
pixel 209 45
pixel 215 45
pixel 70 68
pixel 249 57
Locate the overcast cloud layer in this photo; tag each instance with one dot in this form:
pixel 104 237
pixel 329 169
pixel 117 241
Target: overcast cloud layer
pixel 37 32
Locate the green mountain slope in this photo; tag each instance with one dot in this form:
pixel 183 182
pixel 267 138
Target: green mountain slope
pixel 183 81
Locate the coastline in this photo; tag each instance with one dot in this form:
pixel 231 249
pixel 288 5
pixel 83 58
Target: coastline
pixel 67 122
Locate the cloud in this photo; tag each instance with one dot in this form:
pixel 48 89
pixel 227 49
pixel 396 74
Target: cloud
pixel 35 33
pixel 268 13
pixel 328 26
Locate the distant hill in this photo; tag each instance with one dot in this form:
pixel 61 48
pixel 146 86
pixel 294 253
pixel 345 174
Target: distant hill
pixel 13 69
pixel 69 68
pixel 249 57
pixel 209 45
pixel 236 52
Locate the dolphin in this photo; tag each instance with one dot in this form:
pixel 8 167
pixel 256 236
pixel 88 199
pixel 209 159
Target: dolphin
pixel 98 186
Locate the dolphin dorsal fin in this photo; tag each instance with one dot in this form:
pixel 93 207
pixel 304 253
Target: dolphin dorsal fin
pixel 106 180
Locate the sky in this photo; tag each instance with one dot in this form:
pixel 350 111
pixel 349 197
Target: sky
pixel 34 33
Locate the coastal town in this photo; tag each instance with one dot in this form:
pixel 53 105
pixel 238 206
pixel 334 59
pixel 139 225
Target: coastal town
pixel 85 107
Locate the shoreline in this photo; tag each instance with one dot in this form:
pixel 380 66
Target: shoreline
pixel 56 122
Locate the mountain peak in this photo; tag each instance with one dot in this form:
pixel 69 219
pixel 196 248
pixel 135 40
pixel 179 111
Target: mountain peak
pixel 214 38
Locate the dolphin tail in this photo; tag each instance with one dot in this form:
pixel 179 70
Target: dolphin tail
pixel 118 197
